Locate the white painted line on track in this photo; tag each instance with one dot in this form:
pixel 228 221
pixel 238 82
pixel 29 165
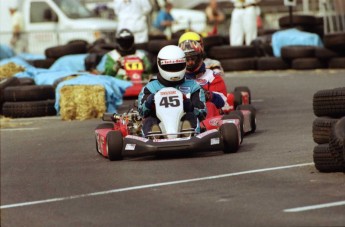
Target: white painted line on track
pixel 151 186
pixel 314 207
pixel 17 129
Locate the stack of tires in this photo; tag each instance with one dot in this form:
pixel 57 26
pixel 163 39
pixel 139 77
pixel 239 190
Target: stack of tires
pixel 20 97
pixel 329 130
pixel 54 53
pixel 234 58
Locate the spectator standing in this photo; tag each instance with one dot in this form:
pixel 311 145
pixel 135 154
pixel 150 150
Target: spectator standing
pixel 132 15
pixel 164 19
pixel 243 26
pixel 214 17
pixel 18 42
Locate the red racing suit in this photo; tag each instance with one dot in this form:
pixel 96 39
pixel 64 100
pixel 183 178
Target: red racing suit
pixel 216 98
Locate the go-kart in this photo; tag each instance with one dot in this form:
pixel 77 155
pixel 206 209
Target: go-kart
pixel 123 136
pixel 238 106
pixel 133 69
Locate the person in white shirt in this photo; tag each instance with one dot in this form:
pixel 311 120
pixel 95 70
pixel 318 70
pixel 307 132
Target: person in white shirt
pixel 243 26
pixel 18 38
pixel 132 15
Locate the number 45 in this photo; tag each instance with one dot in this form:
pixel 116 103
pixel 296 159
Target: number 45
pixel 172 101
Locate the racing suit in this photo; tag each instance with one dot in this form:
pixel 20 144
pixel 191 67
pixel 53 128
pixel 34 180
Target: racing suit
pixel 214 86
pixel 194 106
pixel 114 64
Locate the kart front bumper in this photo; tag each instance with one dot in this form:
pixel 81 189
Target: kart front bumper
pixel 138 146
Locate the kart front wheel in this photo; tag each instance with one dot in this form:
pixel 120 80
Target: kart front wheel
pixel 230 137
pixel 114 145
pixel 102 126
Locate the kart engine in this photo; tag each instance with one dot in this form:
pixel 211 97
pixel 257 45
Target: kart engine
pixel 132 120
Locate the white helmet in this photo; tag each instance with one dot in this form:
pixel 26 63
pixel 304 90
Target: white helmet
pixel 171 63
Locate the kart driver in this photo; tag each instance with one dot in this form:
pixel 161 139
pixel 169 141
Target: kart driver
pixel 209 63
pixel 212 83
pixel 171 63
pixel 114 65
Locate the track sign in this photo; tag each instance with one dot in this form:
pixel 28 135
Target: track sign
pixel 290 2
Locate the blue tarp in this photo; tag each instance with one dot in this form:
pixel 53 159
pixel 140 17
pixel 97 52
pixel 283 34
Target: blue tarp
pixel 114 88
pixel 6 52
pixel 293 37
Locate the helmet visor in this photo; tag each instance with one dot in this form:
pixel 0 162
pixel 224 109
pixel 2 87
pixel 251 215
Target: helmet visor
pixel 175 65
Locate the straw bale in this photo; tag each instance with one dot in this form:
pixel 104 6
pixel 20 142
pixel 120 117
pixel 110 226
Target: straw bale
pixel 81 102
pixel 10 69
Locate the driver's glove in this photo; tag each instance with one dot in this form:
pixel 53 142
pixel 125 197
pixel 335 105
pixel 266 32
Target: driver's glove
pixel 216 99
pixel 150 101
pixel 188 105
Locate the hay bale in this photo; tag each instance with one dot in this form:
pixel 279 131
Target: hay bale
pixel 81 102
pixel 10 69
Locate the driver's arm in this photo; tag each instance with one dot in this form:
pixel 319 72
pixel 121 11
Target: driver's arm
pixel 145 108
pixel 199 103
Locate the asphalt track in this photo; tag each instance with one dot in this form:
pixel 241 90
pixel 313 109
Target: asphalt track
pixel 51 174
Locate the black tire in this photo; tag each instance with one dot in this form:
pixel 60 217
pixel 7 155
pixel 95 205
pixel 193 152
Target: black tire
pixel 29 93
pixel 29 109
pixel 210 41
pixel 297 20
pixel 272 63
pixel 8 82
pixel 322 129
pixel 141 46
pixel 324 53
pixel 102 48
pixel 337 142
pixel 323 160
pixel 26 81
pixel 252 110
pixel 236 115
pixel 240 64
pixel 231 52
pixel 329 102
pixel 43 63
pixel 72 48
pixel 335 41
pixel 337 63
pixel 292 52
pixel 114 143
pixel 230 138
pixel 308 63
pixel 244 89
pixel 154 46
pixel 103 126
pixel 237 99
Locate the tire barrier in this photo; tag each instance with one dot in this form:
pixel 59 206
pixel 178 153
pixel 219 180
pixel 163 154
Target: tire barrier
pixel 329 130
pixel 28 101
pixel 29 109
pixel 4 83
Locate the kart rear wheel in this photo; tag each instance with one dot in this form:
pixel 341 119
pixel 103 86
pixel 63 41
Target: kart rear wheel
pixel 114 143
pixel 246 90
pixel 102 126
pixel 230 137
pixel 252 110
pixel 236 115
pixel 237 99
